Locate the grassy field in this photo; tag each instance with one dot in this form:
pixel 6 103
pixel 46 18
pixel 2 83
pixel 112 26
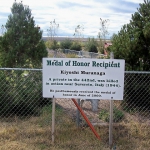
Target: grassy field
pixel 34 133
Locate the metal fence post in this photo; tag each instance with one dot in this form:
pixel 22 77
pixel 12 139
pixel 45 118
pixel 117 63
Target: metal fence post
pixel 53 121
pixel 111 113
pixel 78 114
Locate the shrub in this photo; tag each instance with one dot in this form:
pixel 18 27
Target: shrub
pixel 93 48
pixel 118 115
pixel 21 93
pixel 66 44
pixel 76 46
pixel 91 45
pixel 52 44
pixel 104 115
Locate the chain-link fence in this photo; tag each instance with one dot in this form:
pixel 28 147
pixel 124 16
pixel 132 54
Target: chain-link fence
pixel 26 117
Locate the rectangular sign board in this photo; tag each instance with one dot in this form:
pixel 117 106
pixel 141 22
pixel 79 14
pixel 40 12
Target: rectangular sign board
pixel 83 78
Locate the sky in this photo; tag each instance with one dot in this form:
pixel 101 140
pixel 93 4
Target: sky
pixel 70 13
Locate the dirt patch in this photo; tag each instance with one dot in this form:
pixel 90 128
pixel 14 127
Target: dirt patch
pixel 70 108
pixel 93 116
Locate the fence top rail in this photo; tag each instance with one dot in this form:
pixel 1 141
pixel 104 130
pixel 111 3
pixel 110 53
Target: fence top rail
pixel 139 72
pixel 29 69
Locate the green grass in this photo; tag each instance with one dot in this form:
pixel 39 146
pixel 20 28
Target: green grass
pixel 118 115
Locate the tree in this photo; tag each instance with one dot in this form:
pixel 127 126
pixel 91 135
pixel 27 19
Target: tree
pixel 102 34
pixel 132 42
pixel 1 58
pixel 52 43
pixel 3 30
pixel 22 40
pixel 52 29
pixel 79 32
pixel 124 47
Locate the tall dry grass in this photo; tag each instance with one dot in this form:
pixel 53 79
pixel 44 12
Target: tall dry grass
pixel 34 133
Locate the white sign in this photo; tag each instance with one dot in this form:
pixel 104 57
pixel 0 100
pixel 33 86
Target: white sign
pixel 83 78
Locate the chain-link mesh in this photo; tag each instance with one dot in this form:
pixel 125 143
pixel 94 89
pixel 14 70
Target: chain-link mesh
pixel 25 116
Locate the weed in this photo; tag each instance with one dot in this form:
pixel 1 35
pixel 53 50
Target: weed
pixel 117 115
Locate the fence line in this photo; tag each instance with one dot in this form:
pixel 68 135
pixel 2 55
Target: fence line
pixel 24 112
pixel 33 69
pixel 27 69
